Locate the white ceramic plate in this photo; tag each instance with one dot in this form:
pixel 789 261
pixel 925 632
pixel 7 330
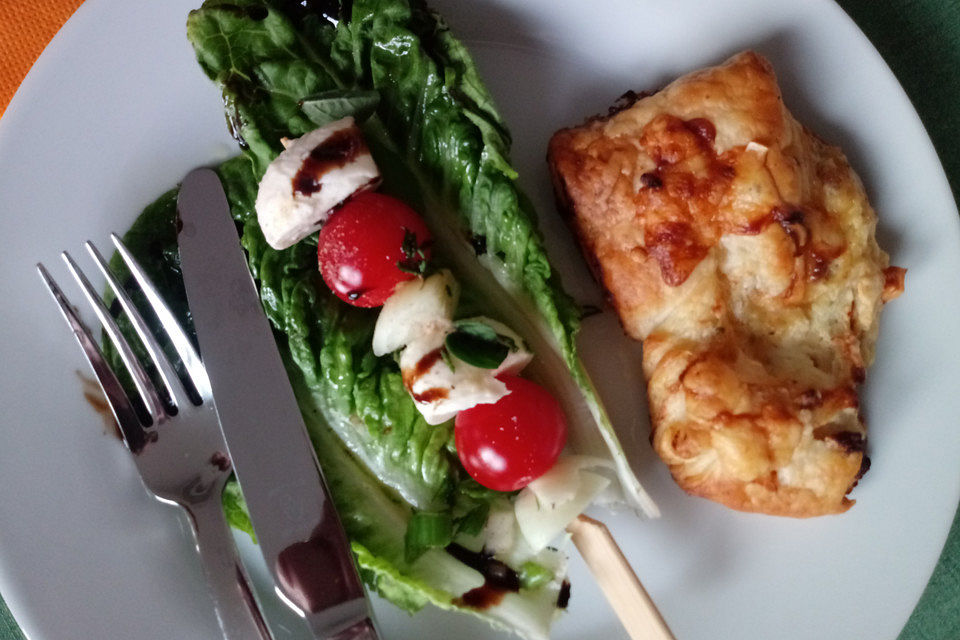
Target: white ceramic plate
pixel 116 111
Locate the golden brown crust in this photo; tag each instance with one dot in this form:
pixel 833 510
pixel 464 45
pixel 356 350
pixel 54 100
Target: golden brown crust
pixel 740 248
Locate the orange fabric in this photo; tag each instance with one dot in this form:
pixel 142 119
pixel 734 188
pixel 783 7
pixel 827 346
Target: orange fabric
pixel 26 26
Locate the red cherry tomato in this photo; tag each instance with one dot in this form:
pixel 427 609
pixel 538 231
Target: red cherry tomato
pixel 506 445
pixel 361 247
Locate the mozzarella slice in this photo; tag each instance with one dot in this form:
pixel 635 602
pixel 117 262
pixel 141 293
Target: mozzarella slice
pixel 417 307
pixel 312 176
pixel 561 483
pixel 438 391
pixel 548 504
pixel 417 318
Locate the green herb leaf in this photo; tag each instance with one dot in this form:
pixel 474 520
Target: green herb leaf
pixel 534 575
pixel 481 330
pixel 477 344
pixel 329 106
pixel 427 531
pixel 472 523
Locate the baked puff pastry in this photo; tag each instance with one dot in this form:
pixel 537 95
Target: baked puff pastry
pixel 740 248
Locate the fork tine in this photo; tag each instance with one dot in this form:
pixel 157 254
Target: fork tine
pixel 179 339
pixel 140 378
pixel 167 372
pixel 120 405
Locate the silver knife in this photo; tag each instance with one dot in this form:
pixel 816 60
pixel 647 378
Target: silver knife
pixel 297 528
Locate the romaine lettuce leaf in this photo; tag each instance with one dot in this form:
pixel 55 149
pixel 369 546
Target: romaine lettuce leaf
pixel 441 145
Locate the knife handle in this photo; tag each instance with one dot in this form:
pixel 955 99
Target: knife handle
pixel 233 599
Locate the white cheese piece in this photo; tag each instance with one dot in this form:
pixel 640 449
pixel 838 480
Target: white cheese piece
pixel 446 572
pixel 757 148
pixel 418 318
pixel 439 392
pixel 561 483
pixel 548 504
pixel 540 525
pixel 287 210
pixel 501 537
pixel 417 307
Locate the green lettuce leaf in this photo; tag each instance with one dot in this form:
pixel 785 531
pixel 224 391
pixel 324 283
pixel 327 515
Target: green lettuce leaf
pixel 334 105
pixel 441 146
pixel 361 396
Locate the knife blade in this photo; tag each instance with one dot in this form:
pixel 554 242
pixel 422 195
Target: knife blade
pixel 298 530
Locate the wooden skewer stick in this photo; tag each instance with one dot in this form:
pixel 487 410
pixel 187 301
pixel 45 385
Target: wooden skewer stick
pixel 616 578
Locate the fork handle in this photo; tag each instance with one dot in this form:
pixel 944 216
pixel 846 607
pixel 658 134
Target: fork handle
pixel 237 610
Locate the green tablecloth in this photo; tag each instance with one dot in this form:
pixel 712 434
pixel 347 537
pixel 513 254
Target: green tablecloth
pixel 920 40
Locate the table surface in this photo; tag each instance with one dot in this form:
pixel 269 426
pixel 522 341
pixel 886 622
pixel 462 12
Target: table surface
pixel 919 39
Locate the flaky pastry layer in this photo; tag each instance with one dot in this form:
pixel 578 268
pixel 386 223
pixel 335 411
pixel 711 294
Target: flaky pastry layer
pixel 740 248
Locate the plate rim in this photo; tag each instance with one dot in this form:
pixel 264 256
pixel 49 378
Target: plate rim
pixel 21 96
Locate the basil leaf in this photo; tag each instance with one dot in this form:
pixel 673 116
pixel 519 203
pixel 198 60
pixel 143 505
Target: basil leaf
pixel 477 344
pixel 329 106
pixel 481 330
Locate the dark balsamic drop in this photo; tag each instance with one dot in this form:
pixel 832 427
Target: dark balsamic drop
pixel 850 441
pixel 220 461
pixel 483 597
pixel 334 152
pixel 563 599
pixel 431 395
pixel 498 578
pixel 424 364
pixel 95 398
pixel 703 129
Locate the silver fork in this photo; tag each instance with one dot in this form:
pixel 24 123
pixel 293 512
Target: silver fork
pixel 180 452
